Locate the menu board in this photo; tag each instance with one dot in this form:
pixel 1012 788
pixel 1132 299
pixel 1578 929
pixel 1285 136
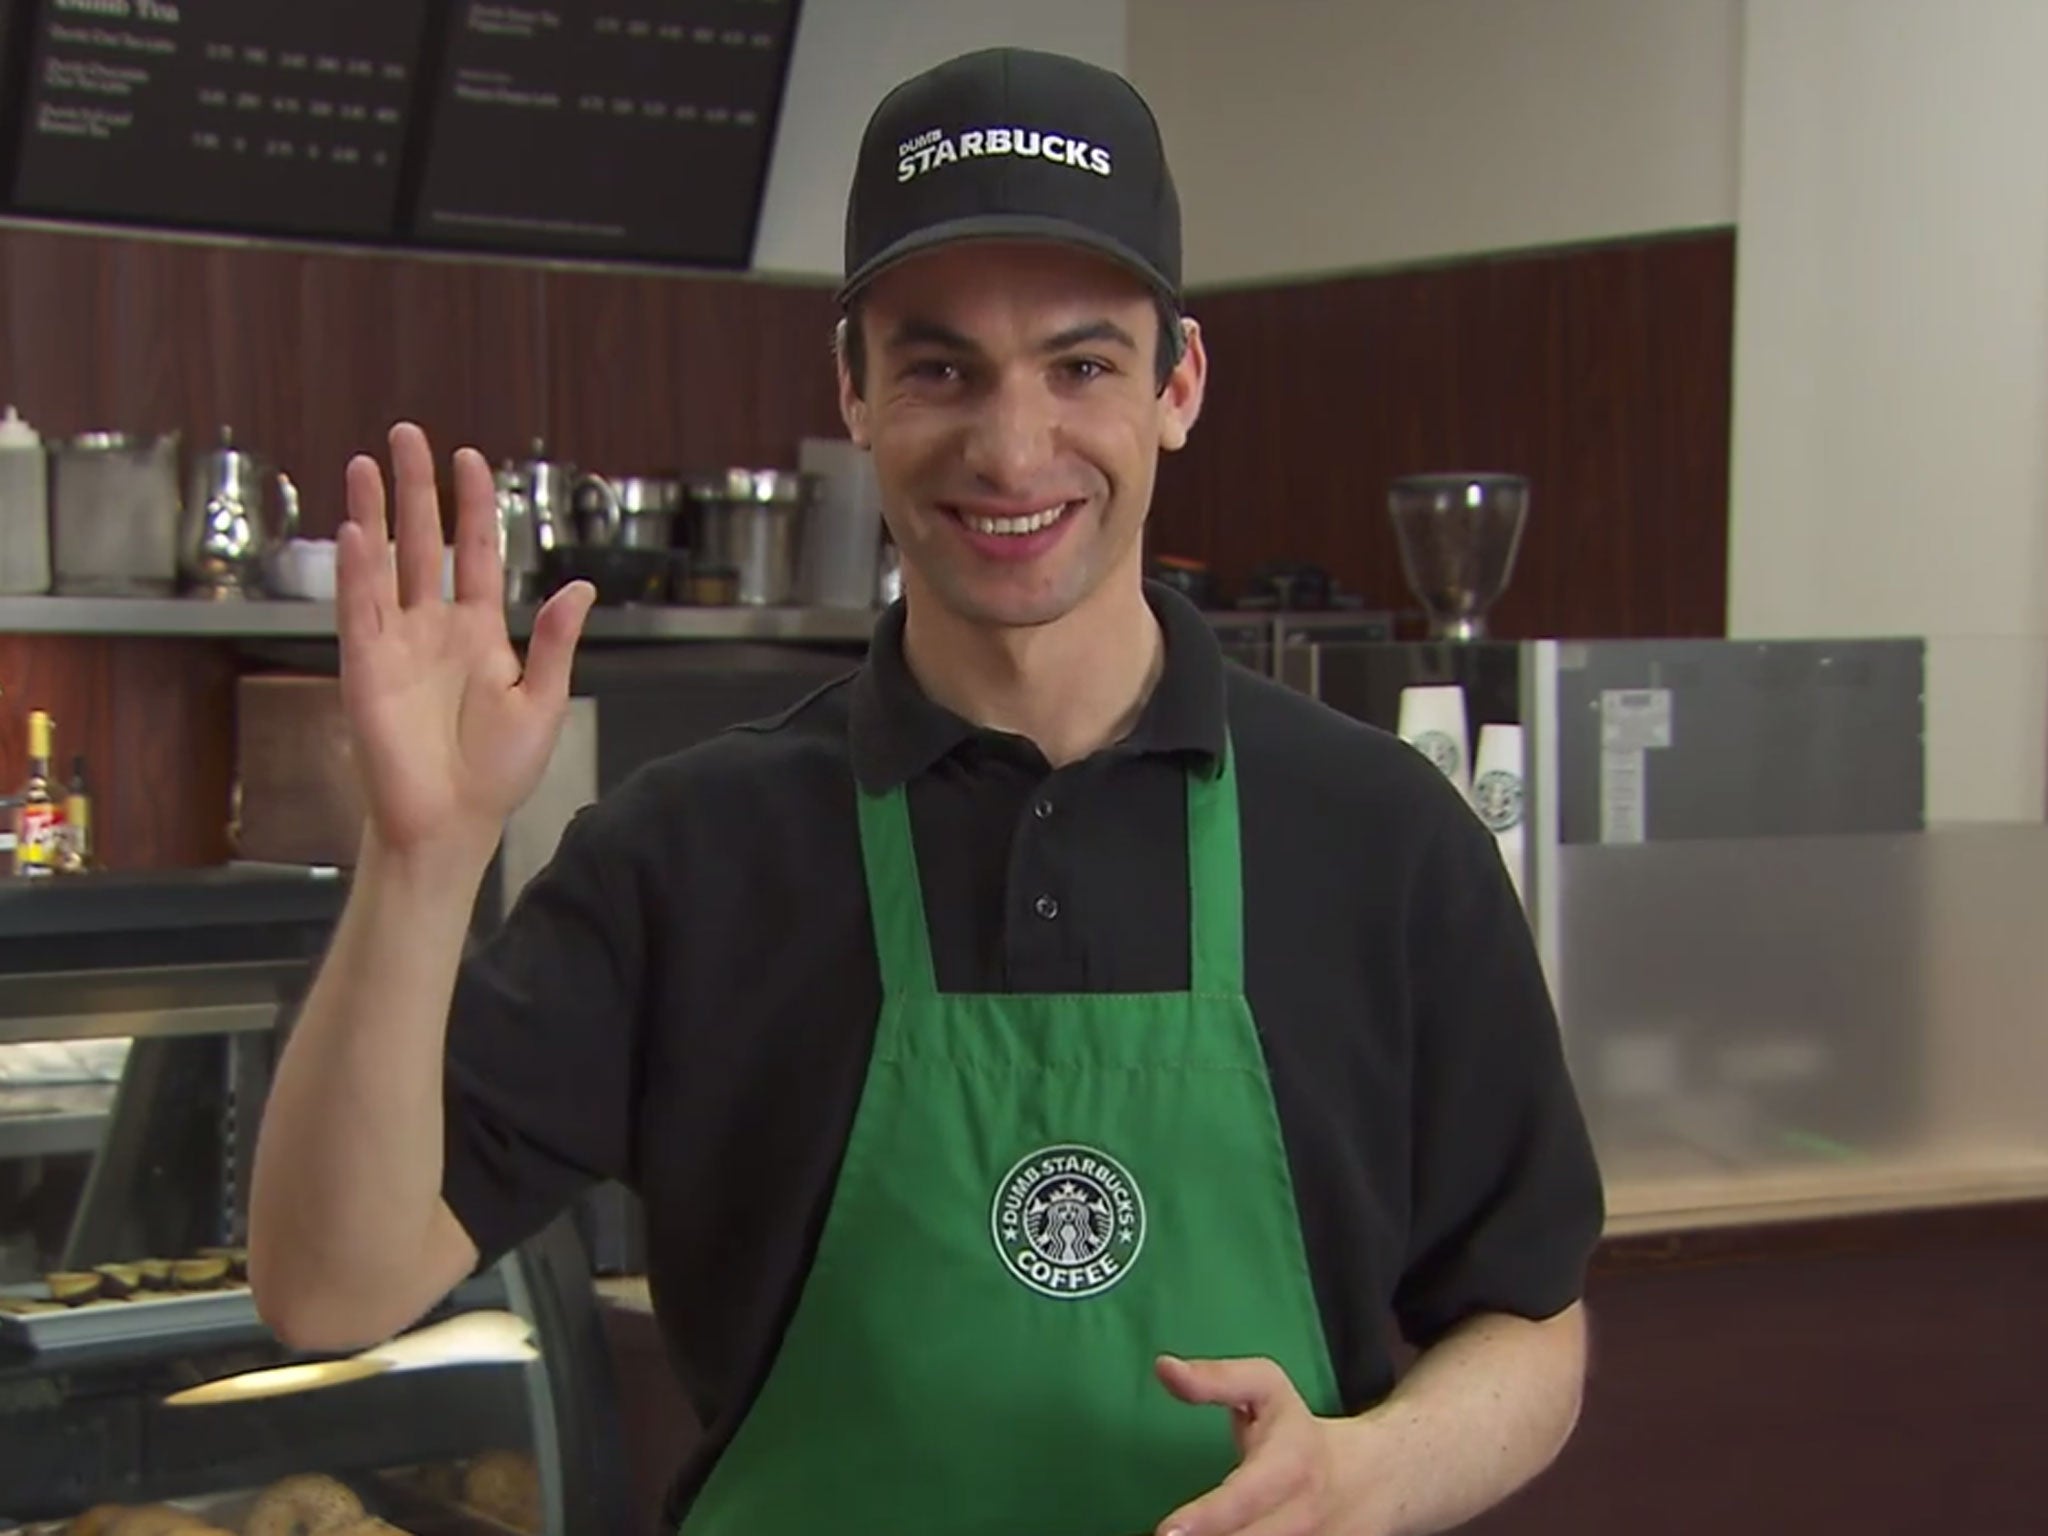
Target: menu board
pixel 636 128
pixel 283 116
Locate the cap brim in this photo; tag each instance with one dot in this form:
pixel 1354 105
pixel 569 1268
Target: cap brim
pixel 1009 226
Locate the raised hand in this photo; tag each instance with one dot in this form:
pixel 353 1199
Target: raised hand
pixel 450 735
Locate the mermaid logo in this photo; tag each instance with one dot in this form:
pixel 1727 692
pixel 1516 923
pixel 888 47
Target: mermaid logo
pixel 1068 1221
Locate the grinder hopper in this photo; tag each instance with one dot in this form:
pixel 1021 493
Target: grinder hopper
pixel 1458 535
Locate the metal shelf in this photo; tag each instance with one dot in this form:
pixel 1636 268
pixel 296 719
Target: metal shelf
pixel 146 1002
pixel 285 618
pixel 53 1120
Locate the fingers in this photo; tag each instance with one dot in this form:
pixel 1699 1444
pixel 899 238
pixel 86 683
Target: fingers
pixel 364 481
pixel 1251 1386
pixel 551 652
pixel 418 516
pixel 479 566
pixel 1251 1493
pixel 362 571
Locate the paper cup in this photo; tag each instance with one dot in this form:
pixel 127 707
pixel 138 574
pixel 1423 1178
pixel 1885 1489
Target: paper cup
pixel 1497 793
pixel 1433 723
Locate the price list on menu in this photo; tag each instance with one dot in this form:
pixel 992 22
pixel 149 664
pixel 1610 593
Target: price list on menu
pixel 617 127
pixel 280 116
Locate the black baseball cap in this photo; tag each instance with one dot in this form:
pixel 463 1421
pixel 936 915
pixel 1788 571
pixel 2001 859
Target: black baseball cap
pixel 1013 143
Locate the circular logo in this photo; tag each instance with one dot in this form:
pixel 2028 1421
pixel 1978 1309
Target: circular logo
pixel 1497 796
pixel 1068 1221
pixel 1441 748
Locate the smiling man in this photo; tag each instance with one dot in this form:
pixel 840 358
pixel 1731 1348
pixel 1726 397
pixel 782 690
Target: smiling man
pixel 1050 1057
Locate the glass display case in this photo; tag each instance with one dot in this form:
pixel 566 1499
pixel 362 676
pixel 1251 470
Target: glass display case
pixel 139 1389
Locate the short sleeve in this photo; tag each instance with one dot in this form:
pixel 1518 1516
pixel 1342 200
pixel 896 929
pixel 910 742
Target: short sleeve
pixel 1506 1204
pixel 539 1082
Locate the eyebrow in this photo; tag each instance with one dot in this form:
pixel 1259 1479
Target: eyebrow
pixel 914 332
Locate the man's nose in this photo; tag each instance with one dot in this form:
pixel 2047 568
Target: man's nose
pixel 1010 440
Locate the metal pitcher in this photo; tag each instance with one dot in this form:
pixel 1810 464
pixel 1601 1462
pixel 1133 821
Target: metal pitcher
pixel 519 544
pixel 230 532
pixel 547 487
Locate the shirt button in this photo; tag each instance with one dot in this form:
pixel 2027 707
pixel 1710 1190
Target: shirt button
pixel 1046 908
pixel 1042 810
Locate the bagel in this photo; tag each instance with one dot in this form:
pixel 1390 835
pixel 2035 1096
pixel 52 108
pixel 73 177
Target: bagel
pixel 96 1521
pixel 504 1485
pixel 304 1505
pixel 155 1520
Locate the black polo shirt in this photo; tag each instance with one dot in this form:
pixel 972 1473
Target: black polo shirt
pixel 685 999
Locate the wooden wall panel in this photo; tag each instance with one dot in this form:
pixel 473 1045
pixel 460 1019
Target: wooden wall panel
pixel 308 356
pixel 1603 374
pixel 155 720
pixel 658 374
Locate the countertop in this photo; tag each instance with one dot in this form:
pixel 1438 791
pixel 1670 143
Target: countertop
pixel 227 896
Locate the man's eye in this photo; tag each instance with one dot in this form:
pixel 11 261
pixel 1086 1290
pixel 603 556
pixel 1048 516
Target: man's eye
pixel 1082 369
pixel 931 370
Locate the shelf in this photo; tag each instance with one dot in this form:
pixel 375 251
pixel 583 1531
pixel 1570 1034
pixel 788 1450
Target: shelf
pixel 281 618
pixel 53 1120
pixel 146 1002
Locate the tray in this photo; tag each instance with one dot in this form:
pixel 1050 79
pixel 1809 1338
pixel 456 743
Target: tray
pixel 148 1316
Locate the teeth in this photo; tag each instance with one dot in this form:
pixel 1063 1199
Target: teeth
pixel 1030 523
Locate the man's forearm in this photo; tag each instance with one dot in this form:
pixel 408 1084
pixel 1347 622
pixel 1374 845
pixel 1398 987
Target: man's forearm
pixel 348 1235
pixel 1478 1415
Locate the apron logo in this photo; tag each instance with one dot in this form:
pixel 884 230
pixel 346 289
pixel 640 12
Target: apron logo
pixel 1068 1221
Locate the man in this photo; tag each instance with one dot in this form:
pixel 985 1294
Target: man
pixel 1048 1055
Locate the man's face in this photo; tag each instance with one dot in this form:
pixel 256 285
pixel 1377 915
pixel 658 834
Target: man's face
pixel 1011 407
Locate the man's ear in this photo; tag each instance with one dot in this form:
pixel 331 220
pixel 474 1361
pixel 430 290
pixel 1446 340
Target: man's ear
pixel 853 410
pixel 1180 403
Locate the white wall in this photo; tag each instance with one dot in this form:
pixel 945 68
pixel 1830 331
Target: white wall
pixel 1328 135
pixel 851 53
pixel 1890 469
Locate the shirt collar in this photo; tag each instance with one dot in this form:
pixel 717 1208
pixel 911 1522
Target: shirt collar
pixel 898 733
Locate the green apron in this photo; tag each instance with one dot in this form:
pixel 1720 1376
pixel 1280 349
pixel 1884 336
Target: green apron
pixel 1040 1195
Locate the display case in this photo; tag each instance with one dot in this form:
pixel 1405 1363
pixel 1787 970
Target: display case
pixel 140 1018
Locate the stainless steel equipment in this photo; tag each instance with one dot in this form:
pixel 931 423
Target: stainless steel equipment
pixel 518 535
pixel 750 522
pixel 630 511
pixel 843 532
pixel 114 515
pixel 549 486
pixel 230 529
pixel 1458 534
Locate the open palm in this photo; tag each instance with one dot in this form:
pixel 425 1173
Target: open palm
pixel 450 732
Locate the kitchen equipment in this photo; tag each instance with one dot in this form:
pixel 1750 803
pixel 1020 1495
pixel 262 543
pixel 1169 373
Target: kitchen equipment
pixel 1458 535
pixel 114 515
pixel 230 534
pixel 619 574
pixel 518 534
pixel 304 569
pixel 631 511
pixel 751 522
pixel 549 486
pixel 24 508
pixel 842 543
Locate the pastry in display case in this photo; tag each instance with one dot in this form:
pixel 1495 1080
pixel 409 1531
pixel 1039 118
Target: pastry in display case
pixel 140 1392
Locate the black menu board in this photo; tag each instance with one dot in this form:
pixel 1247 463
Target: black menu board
pixel 277 116
pixel 635 128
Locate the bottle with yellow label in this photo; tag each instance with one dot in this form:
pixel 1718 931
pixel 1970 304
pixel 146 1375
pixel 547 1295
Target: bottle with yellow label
pixel 77 820
pixel 38 821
